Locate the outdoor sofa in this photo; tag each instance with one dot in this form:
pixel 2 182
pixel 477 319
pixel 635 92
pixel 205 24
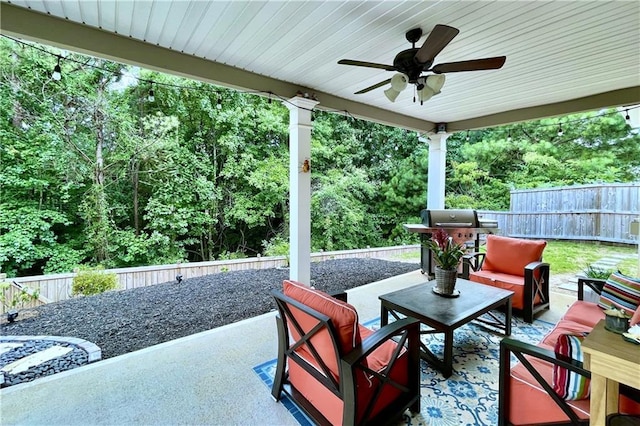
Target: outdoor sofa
pixel 527 395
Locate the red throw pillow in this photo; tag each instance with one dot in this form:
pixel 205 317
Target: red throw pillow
pixel 511 255
pixel 567 384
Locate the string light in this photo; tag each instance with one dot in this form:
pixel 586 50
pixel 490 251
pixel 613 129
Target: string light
pixel 627 117
pixel 560 132
pixel 509 136
pixel 57 71
pixel 57 75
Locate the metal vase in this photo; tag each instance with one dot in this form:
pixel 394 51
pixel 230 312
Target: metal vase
pixel 446 280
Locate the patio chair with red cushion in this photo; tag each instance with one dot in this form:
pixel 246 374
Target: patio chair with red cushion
pixel 338 371
pixel 513 264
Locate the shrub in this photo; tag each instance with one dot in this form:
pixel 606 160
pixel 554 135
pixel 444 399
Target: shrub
pixel 277 246
pixel 93 281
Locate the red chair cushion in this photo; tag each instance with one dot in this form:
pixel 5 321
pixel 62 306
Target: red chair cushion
pixel 511 255
pixel 343 315
pixel 530 404
pixel 513 283
pixel 586 313
pixel 563 326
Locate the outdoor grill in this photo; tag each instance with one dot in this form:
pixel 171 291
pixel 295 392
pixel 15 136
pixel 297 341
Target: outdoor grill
pixel 463 226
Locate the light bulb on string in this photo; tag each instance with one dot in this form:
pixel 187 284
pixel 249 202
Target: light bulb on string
pixel 219 105
pixel 509 136
pixel 468 136
pixel 627 117
pixel 57 71
pixel 152 96
pixel 560 132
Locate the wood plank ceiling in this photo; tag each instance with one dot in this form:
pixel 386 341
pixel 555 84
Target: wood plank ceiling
pixel 562 56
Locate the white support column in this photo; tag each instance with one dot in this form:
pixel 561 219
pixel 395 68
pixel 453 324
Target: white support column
pixel 437 169
pixel 300 188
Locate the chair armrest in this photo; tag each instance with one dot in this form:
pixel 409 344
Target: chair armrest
pixel 380 336
pixel 594 284
pixel 517 347
pixel 533 266
pixel 472 261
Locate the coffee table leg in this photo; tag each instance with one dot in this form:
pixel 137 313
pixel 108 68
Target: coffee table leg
pixel 384 315
pixel 507 318
pixel 447 363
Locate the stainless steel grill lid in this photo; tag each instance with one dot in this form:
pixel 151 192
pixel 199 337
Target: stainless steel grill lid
pixel 450 218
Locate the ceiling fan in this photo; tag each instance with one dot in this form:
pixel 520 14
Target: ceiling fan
pixel 411 63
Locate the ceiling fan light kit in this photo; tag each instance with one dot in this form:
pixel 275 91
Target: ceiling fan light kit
pixel 399 82
pixel 411 63
pixel 391 94
pixel 435 82
pixel 425 94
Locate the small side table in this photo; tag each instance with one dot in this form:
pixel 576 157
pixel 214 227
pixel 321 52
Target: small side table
pixel 611 361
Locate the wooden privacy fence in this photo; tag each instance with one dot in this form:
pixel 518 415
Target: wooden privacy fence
pixel 57 287
pixel 600 212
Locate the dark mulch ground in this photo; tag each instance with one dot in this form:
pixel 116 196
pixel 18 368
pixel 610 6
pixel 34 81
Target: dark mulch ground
pixel 125 321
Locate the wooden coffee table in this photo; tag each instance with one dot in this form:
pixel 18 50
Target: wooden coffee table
pixel 444 315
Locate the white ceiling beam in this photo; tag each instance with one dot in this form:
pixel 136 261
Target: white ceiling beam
pixel 616 98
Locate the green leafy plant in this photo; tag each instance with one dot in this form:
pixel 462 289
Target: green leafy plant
pixel 597 273
pixel 91 281
pixel 446 254
pixel 19 299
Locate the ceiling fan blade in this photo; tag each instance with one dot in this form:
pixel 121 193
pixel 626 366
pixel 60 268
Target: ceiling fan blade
pixel 375 86
pixel 440 36
pixel 366 64
pixel 472 65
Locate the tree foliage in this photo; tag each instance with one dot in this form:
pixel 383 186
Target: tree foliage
pixel 93 173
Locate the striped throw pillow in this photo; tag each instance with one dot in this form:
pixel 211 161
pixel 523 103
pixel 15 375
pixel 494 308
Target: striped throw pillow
pixel 621 292
pixel 567 384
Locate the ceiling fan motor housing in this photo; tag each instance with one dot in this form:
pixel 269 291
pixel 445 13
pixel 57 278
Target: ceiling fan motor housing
pixel 405 63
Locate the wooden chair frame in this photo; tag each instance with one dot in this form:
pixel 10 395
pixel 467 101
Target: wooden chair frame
pixel 536 283
pixel 405 332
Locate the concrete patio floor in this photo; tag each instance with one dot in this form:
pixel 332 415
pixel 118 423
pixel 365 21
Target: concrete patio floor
pixel 206 378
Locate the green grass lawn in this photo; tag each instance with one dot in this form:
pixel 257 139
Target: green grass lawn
pixel 574 257
pixel 566 257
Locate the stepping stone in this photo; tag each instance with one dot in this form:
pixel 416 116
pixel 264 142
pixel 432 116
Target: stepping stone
pixel 26 363
pixel 6 347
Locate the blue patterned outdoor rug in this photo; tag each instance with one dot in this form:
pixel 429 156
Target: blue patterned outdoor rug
pixel 470 395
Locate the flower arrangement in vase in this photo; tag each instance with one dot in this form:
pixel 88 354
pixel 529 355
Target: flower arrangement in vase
pixel 446 254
